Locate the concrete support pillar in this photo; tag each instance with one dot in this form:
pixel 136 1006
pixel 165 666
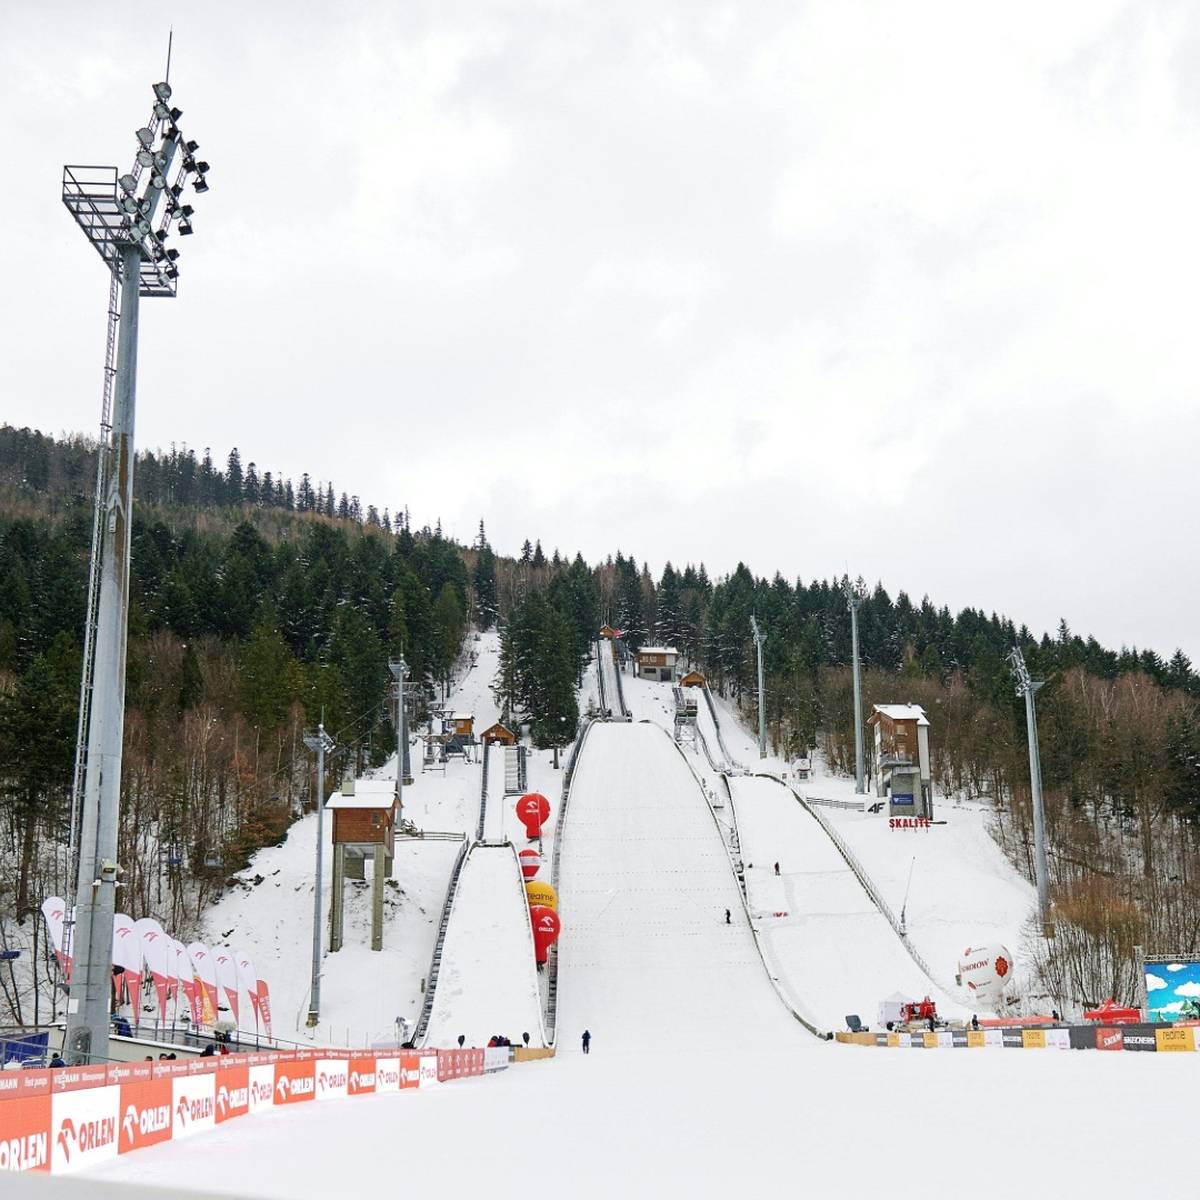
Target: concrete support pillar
pixel 378 859
pixel 337 899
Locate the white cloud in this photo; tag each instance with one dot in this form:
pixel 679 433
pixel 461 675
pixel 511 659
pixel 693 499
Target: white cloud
pixel 1177 966
pixel 1188 989
pixel 1153 982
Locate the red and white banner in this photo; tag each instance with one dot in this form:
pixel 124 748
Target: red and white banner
pixel 83 1127
pixel 332 1076
pixel 294 1082
pixel 127 954
pixel 233 1092
pixel 206 969
pixel 247 978
pixel 227 979
pixel 156 950
pixel 264 1006
pixel 363 1073
pixel 54 910
pixel 145 1114
pixel 262 1087
pixel 194 1103
pixel 25 1134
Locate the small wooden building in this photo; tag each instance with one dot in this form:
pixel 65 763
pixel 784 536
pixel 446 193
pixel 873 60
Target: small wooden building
pixel 657 662
pixel 498 735
pixel 364 826
pixel 460 725
pixel 901 740
pixel 607 631
pixel 692 679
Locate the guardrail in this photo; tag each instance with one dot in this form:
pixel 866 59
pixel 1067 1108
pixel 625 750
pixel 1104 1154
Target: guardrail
pixel 435 963
pixel 550 1021
pixel 868 885
pixel 604 709
pixel 625 713
pixel 716 720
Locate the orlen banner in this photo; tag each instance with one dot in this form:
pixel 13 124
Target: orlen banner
pixel 156 950
pixel 363 1073
pixel 54 909
pixel 202 960
pixel 194 1103
pixel 332 1076
pixel 262 1087
pixel 25 1144
pixel 127 953
pixel 84 1125
pixel 227 978
pixel 233 1093
pixel 146 1113
pixel 294 1082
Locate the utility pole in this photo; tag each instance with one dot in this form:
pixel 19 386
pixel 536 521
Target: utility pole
pixel 1027 687
pixel 320 743
pixel 759 638
pixel 119 225
pixel 399 669
pixel 855 593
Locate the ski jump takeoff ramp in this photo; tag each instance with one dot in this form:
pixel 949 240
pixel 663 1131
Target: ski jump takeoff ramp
pixel 646 960
pixel 833 951
pixel 488 982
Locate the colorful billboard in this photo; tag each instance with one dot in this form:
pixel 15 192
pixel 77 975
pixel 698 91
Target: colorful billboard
pixel 1173 990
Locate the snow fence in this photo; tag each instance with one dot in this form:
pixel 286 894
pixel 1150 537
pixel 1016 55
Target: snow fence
pixel 71 1118
pixel 1164 1038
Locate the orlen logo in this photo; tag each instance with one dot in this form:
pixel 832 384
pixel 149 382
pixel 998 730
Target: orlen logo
pixel 261 1093
pixel 387 1075
pixel 200 1109
pixel 412 1075
pixel 145 1121
pixel 90 1135
pixel 332 1080
pixel 301 1086
pixel 365 1080
pixel 234 1098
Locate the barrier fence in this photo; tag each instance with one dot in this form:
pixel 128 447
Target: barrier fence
pixel 1163 1038
pixel 69 1118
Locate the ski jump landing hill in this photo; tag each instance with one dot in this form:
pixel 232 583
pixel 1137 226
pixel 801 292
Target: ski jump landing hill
pixel 646 957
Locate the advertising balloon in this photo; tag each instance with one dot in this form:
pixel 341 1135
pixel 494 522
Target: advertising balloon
pixel 531 862
pixel 533 809
pixel 546 927
pixel 986 971
pixel 543 894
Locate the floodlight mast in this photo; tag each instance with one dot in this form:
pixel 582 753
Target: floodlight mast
pixel 121 233
pixel 1027 687
pixel 855 593
pixel 320 744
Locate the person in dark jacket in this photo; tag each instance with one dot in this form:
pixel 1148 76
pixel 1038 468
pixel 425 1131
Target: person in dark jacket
pixel 727 920
pixel 57 1060
pixel 975 1021
pixel 208 1051
pixel 462 1037
pixel 776 868
pixel 587 1041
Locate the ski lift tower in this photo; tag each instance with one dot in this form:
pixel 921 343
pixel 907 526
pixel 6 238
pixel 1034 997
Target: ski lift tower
pixel 127 219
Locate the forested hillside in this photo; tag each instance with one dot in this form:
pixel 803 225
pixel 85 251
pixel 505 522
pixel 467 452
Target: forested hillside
pixel 259 604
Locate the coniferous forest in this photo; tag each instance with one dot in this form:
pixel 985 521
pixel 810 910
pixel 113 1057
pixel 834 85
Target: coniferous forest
pixel 260 605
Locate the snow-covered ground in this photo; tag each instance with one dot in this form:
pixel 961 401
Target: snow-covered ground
pixel 488 983
pixel 831 948
pixel 646 959
pixel 729 1116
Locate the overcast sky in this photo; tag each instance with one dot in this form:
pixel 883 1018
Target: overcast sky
pixel 907 290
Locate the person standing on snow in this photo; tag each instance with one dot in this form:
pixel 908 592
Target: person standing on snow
pixel 727 920
pixel 587 1041
pixel 776 868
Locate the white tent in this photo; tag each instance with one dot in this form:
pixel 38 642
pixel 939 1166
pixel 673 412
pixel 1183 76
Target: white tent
pixel 890 1008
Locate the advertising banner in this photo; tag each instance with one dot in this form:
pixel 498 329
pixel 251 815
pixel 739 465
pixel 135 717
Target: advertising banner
pixel 495 1058
pixel 25 1141
pixel 83 1127
pixel 1033 1039
pixel 1139 1037
pixel 1058 1039
pixel 363 1072
pixel 25 1085
pixel 1179 1038
pixel 387 1074
pixel 262 1087
pixel 1013 1037
pixel 294 1082
pixel 54 910
pixel 993 1039
pixel 1112 1038
pixel 929 1040
pixel 976 1039
pixel 73 1079
pixel 1173 990
pixel 410 1071
pixel 194 1101
pixel 233 1093
pixel 227 980
pixel 332 1076
pixel 145 1114
pixel 159 957
pixel 1082 1037
pixel 206 972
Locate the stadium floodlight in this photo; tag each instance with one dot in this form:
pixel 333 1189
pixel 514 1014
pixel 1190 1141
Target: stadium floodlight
pixel 200 184
pixel 856 593
pixel 191 147
pixel 202 168
pixel 118 222
pixel 185 227
pixel 1027 688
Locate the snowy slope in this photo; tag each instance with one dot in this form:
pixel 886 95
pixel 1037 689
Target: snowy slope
pixel 646 959
pixel 488 982
pixel 608 668
pixel 832 949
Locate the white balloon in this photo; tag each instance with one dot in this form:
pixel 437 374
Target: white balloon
pixel 986 971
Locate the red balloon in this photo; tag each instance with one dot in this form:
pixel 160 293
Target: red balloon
pixel 546 928
pixel 531 862
pixel 533 809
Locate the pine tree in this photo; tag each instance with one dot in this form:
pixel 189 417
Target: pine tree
pixel 233 478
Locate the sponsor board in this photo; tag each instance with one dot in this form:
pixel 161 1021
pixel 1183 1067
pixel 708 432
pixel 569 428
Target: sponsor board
pixel 262 1087
pixel 993 1038
pixel 70 1079
pixel 1013 1037
pixel 1110 1038
pixel 135 1072
pixel 903 1040
pixel 929 1041
pixel 1180 1038
pixel 25 1138
pixel 294 1082
pixel 428 1071
pixel 332 1078
pixel 364 1073
pixel 945 1039
pixel 193 1104
pixel 1033 1039
pixel 908 822
pixel 387 1074
pixel 958 1038
pixel 1139 1037
pixel 146 1116
pixel 233 1093
pixel 495 1058
pixel 410 1071
pixel 1058 1039
pixel 84 1126
pixel 976 1038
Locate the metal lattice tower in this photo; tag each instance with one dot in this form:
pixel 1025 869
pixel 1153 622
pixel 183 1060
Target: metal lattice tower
pixel 1027 688
pixel 855 594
